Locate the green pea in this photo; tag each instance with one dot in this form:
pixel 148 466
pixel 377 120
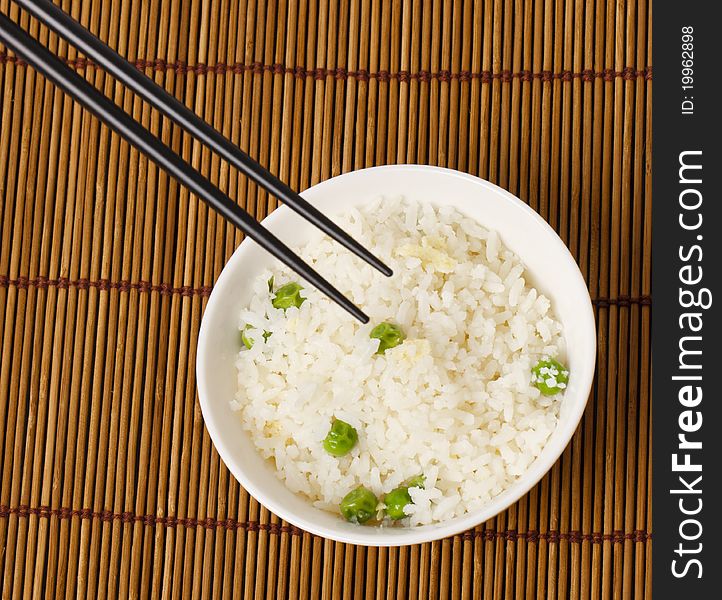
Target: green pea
pixel 341 438
pixel 287 296
pixel 417 482
pixel 395 502
pixel 398 498
pixel 248 340
pixel 359 505
pixel 389 336
pixel 550 377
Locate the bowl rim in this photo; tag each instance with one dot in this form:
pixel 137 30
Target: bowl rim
pixel 419 534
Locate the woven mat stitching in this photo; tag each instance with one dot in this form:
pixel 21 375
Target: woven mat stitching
pixel 179 67
pixel 511 535
pixel 165 289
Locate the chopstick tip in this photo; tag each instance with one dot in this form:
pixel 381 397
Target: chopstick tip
pixel 362 317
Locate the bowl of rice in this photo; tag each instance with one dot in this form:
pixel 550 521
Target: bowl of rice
pixel 449 405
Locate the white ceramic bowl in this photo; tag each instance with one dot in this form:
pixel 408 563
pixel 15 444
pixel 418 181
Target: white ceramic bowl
pixel 550 265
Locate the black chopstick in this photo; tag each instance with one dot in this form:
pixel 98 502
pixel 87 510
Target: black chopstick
pixel 73 84
pixel 63 24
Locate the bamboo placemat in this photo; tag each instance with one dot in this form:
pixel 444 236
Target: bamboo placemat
pixel 110 484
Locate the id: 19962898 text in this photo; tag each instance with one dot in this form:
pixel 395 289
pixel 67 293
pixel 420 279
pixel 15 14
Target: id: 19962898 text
pixel 687 70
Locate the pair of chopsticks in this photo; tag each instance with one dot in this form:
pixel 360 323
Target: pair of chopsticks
pixel 114 117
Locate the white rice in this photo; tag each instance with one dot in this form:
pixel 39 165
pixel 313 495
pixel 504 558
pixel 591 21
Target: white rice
pixel 454 401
